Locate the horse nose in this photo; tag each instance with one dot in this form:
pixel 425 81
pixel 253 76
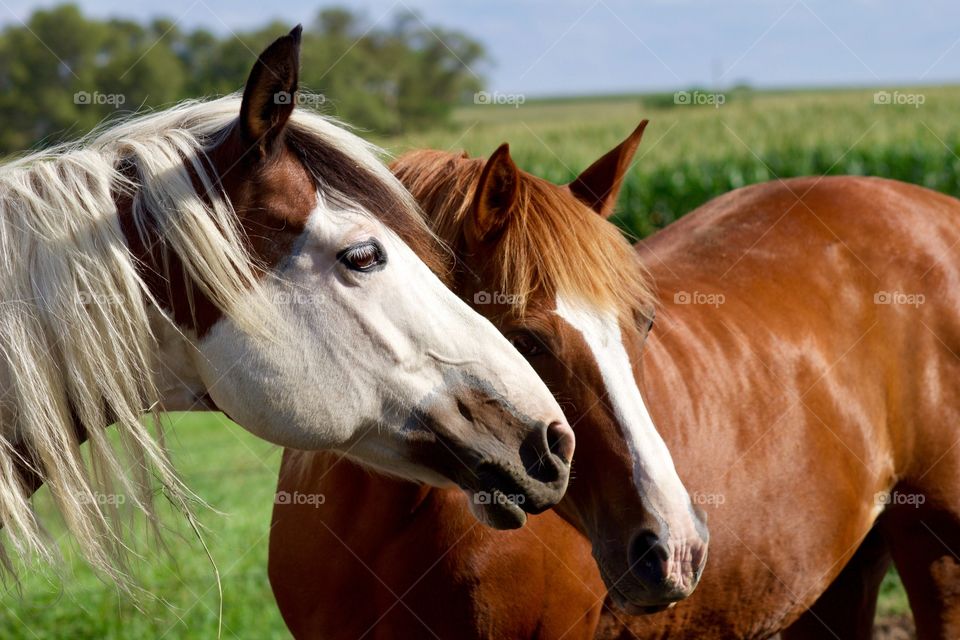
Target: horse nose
pixel 648 558
pixel 561 441
pixel 546 453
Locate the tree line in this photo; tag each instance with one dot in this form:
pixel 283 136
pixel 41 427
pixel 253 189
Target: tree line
pixel 61 73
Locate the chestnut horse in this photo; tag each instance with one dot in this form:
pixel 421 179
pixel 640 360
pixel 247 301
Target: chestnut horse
pixel 241 255
pixel 566 288
pixel 803 372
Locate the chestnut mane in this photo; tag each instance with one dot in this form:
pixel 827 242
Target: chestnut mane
pixel 552 244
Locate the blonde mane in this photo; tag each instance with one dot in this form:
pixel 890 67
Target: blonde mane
pixel 552 244
pixel 78 349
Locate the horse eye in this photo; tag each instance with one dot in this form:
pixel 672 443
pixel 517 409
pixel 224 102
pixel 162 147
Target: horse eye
pixel 526 343
pixel 363 256
pixel 645 319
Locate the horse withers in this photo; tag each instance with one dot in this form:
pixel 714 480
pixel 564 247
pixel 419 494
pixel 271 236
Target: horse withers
pixel 246 255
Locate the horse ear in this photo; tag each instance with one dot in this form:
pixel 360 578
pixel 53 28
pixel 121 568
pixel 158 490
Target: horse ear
pixel 599 186
pixel 270 93
pixel 494 199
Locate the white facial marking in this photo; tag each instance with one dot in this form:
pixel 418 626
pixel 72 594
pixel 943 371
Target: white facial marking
pixel 653 468
pixel 360 354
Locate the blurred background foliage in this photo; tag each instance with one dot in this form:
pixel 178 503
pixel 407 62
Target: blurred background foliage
pixel 402 75
pixel 408 84
pixel 691 154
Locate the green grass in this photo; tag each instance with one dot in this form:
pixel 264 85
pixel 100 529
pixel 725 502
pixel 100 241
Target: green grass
pixel 233 472
pixel 893 599
pixel 236 474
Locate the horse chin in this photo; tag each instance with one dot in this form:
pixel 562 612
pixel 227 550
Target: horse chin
pixel 497 511
pixel 634 609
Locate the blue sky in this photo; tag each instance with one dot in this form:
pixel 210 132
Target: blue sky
pixel 551 47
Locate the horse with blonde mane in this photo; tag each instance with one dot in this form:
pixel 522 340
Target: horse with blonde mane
pixel 243 255
pixel 803 373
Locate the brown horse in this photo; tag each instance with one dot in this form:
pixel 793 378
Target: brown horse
pixel 804 375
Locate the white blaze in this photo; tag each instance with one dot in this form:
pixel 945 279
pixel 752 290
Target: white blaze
pixel 653 470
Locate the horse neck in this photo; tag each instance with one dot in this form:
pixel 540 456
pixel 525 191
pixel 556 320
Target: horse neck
pixel 177 379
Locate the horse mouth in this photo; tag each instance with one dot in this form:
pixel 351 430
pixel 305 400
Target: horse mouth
pixel 638 604
pixel 496 509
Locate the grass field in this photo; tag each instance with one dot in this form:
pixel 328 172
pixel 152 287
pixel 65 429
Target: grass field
pixel 234 473
pixel 689 155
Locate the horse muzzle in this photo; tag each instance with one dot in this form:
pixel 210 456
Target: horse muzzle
pixel 662 567
pixel 508 464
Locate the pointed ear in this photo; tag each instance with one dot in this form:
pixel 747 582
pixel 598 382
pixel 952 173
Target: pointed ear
pixel 494 198
pixel 599 186
pixel 270 93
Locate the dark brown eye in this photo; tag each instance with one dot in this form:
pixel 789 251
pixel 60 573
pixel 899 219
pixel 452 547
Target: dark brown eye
pixel 526 343
pixel 645 318
pixel 363 256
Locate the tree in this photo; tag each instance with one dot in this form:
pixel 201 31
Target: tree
pixel 62 73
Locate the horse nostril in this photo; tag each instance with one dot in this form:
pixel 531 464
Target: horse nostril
pixel 561 441
pixel 541 449
pixel 648 558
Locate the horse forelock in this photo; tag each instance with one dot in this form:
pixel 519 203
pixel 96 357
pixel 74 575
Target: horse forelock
pixel 348 172
pixel 551 244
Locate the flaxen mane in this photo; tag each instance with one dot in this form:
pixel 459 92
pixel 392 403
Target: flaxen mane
pixel 76 343
pixel 552 244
